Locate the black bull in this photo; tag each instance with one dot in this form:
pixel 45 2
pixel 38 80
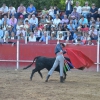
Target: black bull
pixel 44 62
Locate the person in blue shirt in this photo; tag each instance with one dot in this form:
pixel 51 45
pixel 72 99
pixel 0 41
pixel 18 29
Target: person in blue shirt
pixel 1 33
pixel 43 37
pixel 31 9
pixel 59 61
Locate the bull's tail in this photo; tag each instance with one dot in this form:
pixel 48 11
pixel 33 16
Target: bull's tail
pixel 31 63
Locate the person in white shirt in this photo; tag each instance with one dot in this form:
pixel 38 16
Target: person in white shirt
pixel 93 33
pixel 79 8
pixel 33 22
pixel 56 21
pixel 85 9
pixel 51 12
pixel 32 37
pixel 4 10
pixel 11 11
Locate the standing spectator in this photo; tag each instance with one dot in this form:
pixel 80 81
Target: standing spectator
pixel 31 10
pixel 33 22
pixel 11 11
pixel 4 10
pixel 85 9
pixel 21 11
pixel 69 7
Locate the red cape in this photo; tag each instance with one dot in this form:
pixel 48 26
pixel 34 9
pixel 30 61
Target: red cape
pixel 78 59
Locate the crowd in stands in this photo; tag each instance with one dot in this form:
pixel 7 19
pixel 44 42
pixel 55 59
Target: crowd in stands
pixel 77 23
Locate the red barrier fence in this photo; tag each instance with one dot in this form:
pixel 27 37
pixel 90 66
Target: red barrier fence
pixel 31 50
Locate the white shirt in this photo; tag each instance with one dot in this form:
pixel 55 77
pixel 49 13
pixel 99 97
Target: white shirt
pixel 94 32
pixel 32 39
pixel 12 10
pixel 85 9
pixel 4 10
pixel 56 21
pixel 79 9
pixel 33 21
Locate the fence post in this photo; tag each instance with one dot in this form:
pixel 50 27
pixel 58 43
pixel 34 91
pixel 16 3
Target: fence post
pixel 17 64
pixel 98 52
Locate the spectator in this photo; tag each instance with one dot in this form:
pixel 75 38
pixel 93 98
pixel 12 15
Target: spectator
pixel 4 10
pixel 37 34
pixel 21 33
pixel 31 9
pixel 33 22
pixel 75 14
pixel 43 38
pixel 4 26
pixel 65 19
pixel 93 11
pixel 83 21
pixel 26 26
pixel 1 32
pixel 69 7
pixel 5 19
pixel 93 33
pixel 13 36
pixel 78 8
pixel 43 20
pixel 86 9
pixel 60 36
pixel 44 12
pixel 51 11
pixel 98 13
pixel 11 11
pixel 56 11
pixel 89 42
pixel 32 37
pixel 21 10
pixel 56 21
pixel 53 36
pixel 13 22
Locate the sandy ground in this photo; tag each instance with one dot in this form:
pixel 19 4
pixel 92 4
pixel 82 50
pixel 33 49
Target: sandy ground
pixel 79 85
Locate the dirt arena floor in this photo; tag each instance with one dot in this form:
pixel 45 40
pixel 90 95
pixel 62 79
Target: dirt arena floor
pixel 79 85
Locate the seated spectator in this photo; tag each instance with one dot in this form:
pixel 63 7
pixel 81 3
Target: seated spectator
pixel 49 20
pixel 89 42
pixel 51 11
pixel 32 37
pixel 98 23
pixel 93 33
pixel 31 9
pixel 6 37
pixel 26 25
pixel 13 36
pixel 18 25
pixel 21 10
pixel 4 26
pixel 11 11
pixel 21 33
pixel 33 22
pixel 44 12
pixel 78 7
pixel 41 26
pixel 67 35
pixel 85 10
pixel 60 36
pixel 98 15
pixel 5 19
pixel 93 11
pixel 53 36
pixel 83 21
pixel 37 34
pixel 43 37
pixel 1 22
pixel 43 20
pixel 1 32
pixel 13 22
pixel 75 14
pixel 4 10
pixel 65 19
pixel 56 11
pixel 28 18
pixel 91 21
pixel 56 21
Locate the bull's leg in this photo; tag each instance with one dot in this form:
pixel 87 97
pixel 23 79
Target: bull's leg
pixel 40 74
pixel 33 71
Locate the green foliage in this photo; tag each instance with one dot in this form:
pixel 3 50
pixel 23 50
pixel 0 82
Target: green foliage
pixel 39 4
